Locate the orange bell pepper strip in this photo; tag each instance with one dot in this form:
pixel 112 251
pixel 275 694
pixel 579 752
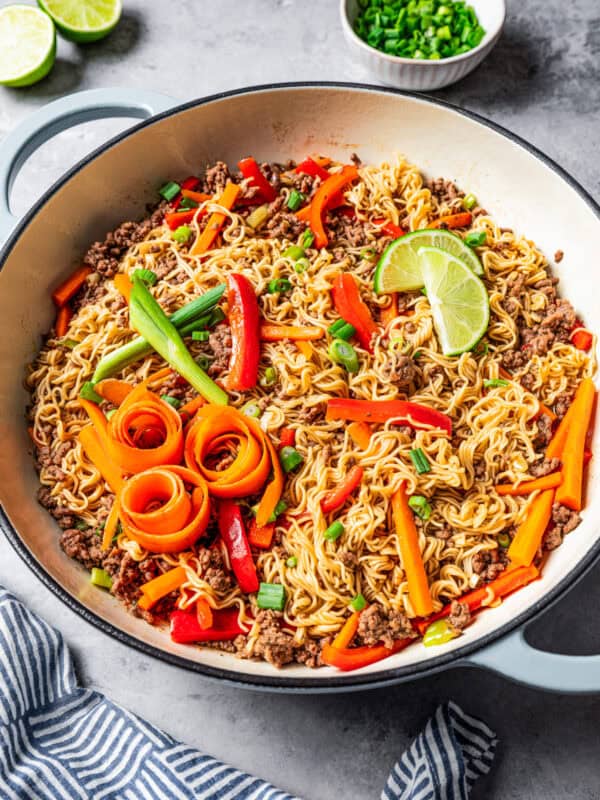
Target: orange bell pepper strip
pixel 305 348
pixel 113 390
pixel 462 220
pixel 336 499
pixel 410 552
pixel 123 284
pixel 216 220
pixel 94 447
pixel 63 318
pixel 261 537
pixel 360 433
pixel 351 658
pixel 162 585
pixel 321 199
pixel 509 581
pixel 204 614
pixel 550 481
pixel 403 412
pixel 159 513
pixel 304 213
pixel 110 526
pixel 350 306
pixel 389 313
pixel 348 631
pixel 187 410
pixel 570 492
pixel 270 332
pixel 528 537
pixel 67 289
pixel 197 197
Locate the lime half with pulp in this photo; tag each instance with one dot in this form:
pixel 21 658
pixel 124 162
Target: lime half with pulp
pixel 27 45
pixel 399 268
pixel 459 300
pixel 83 20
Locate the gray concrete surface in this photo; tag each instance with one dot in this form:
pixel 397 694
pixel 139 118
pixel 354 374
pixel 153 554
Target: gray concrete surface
pixel 542 81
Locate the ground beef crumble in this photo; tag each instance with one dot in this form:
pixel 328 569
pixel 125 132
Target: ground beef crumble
pixel 220 343
pixel 460 615
pixel 274 643
pixel 489 564
pixel 545 467
pixel 563 521
pixel 283 224
pixel 378 625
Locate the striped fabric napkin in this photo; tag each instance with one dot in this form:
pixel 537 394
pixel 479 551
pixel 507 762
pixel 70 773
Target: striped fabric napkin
pixel 59 741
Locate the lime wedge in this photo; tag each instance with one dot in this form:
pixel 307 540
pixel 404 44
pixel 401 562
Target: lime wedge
pixel 399 269
pixel 27 45
pixel 458 298
pixel 83 20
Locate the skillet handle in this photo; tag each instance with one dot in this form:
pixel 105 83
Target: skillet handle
pixel 59 115
pixel 514 658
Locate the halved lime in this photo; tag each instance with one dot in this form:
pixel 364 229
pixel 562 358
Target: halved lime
pixel 458 298
pixel 83 20
pixel 399 269
pixel 27 45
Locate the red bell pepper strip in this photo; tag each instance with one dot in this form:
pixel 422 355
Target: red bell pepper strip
pixel 388 227
pixel 261 537
pixel 582 339
pixel 186 629
pixel 63 293
pixel 336 499
pixel 310 167
pixel 176 218
pixel 349 658
pixel 348 303
pixel 63 318
pixel 403 412
pixel 287 437
pixel 322 199
pixel 233 533
pixel 250 169
pixel 245 333
pixel 190 183
pixel 508 582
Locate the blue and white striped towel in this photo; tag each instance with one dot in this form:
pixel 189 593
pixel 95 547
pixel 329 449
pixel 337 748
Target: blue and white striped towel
pixel 59 741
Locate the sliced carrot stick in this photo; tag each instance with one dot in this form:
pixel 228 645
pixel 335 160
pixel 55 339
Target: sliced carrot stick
pixel 110 526
pixel 197 197
pixel 462 220
pixel 63 318
pixel 94 449
pixel 188 409
pixel 158 587
pixel 348 631
pixel 159 376
pixel 570 492
pixel 305 348
pixel 216 220
pixel 113 390
pixel 123 284
pixel 276 333
pixel 557 443
pixel 204 613
pixel 529 534
pixel 63 293
pixel 550 481
pixel 390 313
pixel 410 552
pixel 361 433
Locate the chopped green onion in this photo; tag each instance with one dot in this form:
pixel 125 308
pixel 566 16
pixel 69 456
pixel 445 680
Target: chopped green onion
pixel 294 252
pixel 292 562
pixel 307 239
pixel 186 204
pixel 334 531
pixel 367 253
pixel 169 190
pixel 251 409
pixel 295 200
pixel 278 285
pixel 172 401
pixel 417 354
pixel 476 238
pixel 424 291
pixel 269 378
pixel 150 320
pixel 469 202
pixel 138 348
pixel 111 412
pixel 70 343
pixel 481 348
pixel 271 595
pixel 358 603
pixel 145 275
pixel 490 383
pixel 289 458
pixel 216 315
pixel 81 525
pixel 341 329
pixel 181 234
pixel 341 352
pixel 203 361
pixel 420 506
pixel 100 577
pixel 87 392
pixel 503 540
pixel 258 217
pixel 200 336
pixel 301 265
pixel 420 461
pixel 439 632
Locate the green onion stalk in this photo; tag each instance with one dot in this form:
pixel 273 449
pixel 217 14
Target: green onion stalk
pixel 150 320
pixel 186 319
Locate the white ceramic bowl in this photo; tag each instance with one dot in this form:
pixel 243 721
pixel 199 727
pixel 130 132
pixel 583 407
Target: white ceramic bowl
pixel 418 74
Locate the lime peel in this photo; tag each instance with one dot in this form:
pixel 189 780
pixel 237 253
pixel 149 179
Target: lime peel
pixel 83 20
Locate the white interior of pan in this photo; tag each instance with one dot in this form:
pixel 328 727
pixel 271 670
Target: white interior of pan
pixel 519 190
